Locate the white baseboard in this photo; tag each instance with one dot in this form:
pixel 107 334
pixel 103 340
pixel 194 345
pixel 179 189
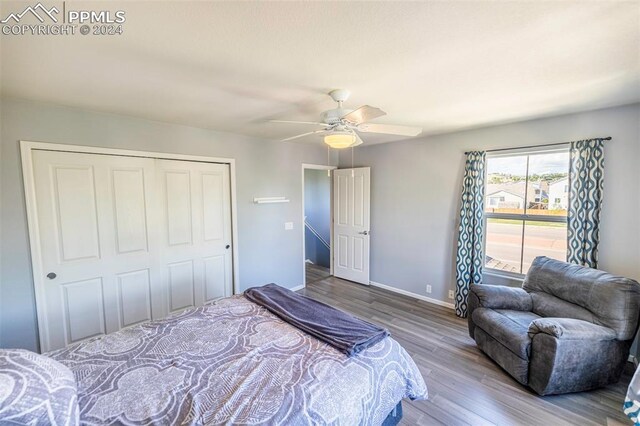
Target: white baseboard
pixel 415 295
pixel 300 287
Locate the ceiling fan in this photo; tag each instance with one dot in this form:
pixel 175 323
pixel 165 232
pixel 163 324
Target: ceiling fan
pixel 340 126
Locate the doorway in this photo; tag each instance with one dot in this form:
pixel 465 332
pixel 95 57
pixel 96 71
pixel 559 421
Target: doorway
pixel 317 222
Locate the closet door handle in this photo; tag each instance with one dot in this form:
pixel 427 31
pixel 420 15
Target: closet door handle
pixel 51 275
pixel 227 246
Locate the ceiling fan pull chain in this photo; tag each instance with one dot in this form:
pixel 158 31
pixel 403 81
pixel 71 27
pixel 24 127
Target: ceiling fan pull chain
pixel 353 173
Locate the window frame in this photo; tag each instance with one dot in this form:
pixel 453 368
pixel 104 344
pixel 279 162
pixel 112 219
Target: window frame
pixel 515 152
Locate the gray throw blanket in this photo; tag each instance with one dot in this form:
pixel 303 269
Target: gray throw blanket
pixel 330 325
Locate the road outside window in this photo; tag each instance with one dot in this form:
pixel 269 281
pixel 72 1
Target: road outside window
pixel 526 202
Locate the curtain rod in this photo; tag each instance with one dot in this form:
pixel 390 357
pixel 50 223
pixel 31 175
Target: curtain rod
pixel 608 138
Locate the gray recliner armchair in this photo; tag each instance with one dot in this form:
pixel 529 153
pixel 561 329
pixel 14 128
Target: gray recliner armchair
pixel 568 329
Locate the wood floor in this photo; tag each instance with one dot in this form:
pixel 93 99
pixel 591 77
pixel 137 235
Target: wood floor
pixel 465 387
pixel 315 273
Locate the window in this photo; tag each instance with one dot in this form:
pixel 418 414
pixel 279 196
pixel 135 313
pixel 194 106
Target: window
pixel 524 224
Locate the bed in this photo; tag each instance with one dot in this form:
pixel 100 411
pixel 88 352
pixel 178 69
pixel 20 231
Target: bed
pixel 235 362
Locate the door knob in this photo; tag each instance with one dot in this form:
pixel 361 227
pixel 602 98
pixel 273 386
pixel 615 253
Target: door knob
pixel 227 246
pixel 51 275
pixel 364 233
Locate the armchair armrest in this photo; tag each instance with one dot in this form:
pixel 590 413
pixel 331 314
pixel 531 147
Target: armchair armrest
pixel 570 355
pixel 501 297
pixel 570 329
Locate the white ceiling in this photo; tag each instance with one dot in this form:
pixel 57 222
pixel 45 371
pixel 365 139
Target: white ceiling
pixel 440 65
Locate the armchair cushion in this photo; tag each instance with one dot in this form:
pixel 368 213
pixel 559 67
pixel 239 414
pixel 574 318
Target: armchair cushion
pixel 570 329
pixel 549 306
pixel 611 300
pixel 501 297
pixel 507 327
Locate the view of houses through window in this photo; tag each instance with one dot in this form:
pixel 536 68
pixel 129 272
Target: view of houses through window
pixel 526 202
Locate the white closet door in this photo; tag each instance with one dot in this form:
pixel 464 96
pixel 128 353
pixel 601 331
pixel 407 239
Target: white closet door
pixel 125 239
pixel 351 211
pixel 196 232
pixel 96 246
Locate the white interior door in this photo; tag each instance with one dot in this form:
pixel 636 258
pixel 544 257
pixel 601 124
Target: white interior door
pixel 126 239
pixel 351 204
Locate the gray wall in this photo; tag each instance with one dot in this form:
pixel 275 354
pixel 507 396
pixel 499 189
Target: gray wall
pixel 317 208
pixel 264 168
pixel 415 190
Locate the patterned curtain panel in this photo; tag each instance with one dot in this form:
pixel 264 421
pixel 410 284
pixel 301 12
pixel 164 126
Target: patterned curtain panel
pixel 470 254
pixel 585 201
pixel 631 405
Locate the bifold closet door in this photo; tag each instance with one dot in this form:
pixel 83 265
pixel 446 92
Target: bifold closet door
pixel 195 233
pixel 97 247
pixel 126 239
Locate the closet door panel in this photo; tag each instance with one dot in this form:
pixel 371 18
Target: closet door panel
pixel 205 218
pixel 92 216
pixel 130 210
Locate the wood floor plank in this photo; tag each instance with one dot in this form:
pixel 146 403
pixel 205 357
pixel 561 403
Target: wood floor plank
pixel 465 386
pixel 315 272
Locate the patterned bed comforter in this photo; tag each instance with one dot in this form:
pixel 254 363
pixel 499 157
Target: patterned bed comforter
pixel 234 362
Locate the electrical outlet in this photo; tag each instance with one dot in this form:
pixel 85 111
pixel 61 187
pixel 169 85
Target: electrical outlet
pixel 428 288
pixel 451 294
pixel 288 226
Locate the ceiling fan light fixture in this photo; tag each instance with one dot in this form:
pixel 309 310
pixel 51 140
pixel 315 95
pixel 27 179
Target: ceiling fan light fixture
pixel 342 127
pixel 340 140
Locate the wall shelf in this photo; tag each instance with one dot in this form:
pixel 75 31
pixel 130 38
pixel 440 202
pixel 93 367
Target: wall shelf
pixel 270 200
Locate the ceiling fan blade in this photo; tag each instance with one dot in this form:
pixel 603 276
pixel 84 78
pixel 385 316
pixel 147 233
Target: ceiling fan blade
pixel 317 123
pixel 389 129
pixel 363 114
pixel 300 136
